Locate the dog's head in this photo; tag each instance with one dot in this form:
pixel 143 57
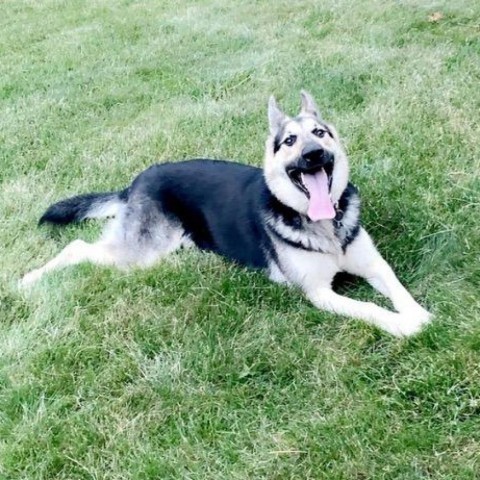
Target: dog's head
pixel 305 165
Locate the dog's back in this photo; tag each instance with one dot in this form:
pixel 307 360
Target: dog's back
pixel 218 204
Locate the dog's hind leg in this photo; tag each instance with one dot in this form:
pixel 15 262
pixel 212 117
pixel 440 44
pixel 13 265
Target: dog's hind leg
pixel 363 259
pixel 139 236
pixel 78 251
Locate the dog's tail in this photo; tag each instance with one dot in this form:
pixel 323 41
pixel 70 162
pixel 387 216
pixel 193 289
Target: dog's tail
pixel 81 207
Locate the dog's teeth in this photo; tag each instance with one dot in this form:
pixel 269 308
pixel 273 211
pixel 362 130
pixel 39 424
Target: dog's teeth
pixel 302 179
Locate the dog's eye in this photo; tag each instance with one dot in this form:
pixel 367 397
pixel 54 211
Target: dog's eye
pixel 289 141
pixel 318 132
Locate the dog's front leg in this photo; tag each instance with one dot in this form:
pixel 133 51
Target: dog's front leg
pixel 392 322
pixel 363 259
pixel 313 272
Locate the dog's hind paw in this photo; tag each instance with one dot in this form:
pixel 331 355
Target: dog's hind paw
pixel 30 278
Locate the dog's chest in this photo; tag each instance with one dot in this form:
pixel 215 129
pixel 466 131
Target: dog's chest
pixel 306 235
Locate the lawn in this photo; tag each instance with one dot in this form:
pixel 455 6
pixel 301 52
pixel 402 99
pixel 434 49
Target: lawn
pixel 198 369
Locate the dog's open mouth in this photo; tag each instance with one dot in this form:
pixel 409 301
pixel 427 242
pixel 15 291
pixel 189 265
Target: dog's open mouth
pixel 315 183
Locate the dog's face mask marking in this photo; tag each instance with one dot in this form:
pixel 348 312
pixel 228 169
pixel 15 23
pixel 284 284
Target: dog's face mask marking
pixel 305 147
pixel 305 167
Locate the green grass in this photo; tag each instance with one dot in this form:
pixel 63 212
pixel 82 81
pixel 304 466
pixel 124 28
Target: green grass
pixel 197 369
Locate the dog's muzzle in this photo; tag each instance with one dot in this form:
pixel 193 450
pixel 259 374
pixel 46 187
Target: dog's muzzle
pixel 313 160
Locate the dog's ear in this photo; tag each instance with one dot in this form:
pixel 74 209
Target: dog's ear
pixel 276 118
pixel 309 107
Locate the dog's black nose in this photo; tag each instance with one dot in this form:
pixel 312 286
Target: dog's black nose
pixel 315 157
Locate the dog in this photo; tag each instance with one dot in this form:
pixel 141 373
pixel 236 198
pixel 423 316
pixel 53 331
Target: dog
pixel 297 219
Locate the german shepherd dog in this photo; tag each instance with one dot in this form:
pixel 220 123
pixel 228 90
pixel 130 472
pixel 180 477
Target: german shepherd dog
pixel 297 219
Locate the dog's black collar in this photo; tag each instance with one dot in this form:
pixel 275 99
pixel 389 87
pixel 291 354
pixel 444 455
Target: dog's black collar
pixel 293 243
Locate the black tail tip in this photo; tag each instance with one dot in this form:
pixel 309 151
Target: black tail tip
pixel 78 208
pixel 58 214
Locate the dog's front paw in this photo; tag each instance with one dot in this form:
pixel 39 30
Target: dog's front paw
pixel 411 322
pixel 418 313
pixel 410 326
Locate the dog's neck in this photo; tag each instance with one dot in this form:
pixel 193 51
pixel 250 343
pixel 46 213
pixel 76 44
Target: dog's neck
pixel 294 227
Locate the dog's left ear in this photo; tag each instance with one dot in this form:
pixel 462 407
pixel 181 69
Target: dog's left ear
pixel 309 107
pixel 276 118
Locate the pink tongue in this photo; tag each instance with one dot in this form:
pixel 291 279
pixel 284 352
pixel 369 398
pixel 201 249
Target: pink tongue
pixel 320 206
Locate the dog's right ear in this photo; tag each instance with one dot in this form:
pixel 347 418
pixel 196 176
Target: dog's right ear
pixel 276 118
